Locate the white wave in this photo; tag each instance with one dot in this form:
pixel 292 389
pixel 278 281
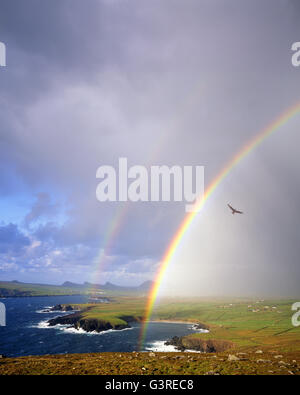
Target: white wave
pixel 160 346
pixel 46 310
pixel 194 328
pixel 80 331
pixel 40 325
pixel 70 329
pixel 43 311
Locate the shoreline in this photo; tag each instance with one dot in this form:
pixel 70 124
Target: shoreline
pixel 72 325
pixel 175 322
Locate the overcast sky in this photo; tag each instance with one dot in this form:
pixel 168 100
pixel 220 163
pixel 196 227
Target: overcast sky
pixel 159 82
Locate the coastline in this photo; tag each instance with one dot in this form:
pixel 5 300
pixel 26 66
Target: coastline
pixel 175 322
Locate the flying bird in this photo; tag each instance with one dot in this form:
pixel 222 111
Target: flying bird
pixel 234 211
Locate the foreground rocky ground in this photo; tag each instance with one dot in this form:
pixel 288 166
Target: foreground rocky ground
pixel 253 362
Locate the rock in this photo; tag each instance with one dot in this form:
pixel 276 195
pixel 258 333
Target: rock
pixel 258 352
pixel 60 307
pixel 68 308
pixel 176 342
pixel 263 361
pixel 283 363
pixel 57 307
pixel 278 356
pixel 197 344
pixel 151 354
pixel 232 357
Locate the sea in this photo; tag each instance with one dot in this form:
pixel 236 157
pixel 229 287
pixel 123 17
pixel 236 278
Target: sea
pixel 27 333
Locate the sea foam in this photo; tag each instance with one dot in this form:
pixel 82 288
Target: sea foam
pixel 160 346
pixel 70 329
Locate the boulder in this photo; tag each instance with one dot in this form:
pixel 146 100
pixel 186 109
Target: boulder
pixel 232 357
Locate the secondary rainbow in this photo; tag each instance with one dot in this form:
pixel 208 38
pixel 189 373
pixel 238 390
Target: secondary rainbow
pixel 167 258
pixel 102 258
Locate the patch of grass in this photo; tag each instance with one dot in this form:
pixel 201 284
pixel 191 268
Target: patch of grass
pixel 150 364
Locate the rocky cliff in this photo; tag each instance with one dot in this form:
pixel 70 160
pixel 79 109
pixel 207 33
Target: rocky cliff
pixel 198 344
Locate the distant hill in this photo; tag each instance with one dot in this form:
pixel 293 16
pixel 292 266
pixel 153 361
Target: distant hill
pixel 18 289
pixel 145 286
pixel 69 284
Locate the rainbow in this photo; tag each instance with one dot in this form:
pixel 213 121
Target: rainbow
pixel 113 230
pixel 167 258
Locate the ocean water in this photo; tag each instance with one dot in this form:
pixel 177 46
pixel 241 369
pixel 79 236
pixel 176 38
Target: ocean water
pixel 26 331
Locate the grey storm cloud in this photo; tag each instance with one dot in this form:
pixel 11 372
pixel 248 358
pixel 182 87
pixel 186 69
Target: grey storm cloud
pixel 170 83
pixel 42 207
pixel 12 240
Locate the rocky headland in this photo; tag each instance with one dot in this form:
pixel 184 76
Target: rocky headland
pixel 196 344
pixel 78 321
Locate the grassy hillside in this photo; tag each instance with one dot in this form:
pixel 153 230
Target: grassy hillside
pixel 154 364
pixel 247 323
pixel 116 311
pixel 17 289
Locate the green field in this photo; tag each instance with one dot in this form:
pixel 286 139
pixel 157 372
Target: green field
pixel 247 323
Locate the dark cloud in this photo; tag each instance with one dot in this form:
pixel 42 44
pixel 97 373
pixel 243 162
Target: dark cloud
pixel 43 207
pixel 12 240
